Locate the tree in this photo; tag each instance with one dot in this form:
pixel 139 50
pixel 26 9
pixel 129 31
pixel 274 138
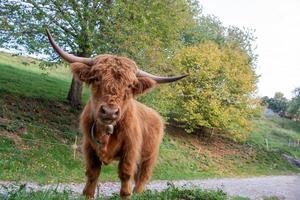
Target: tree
pixel 265 101
pixel 278 103
pixel 148 31
pixel 210 28
pixel 294 105
pixel 72 22
pixel 218 93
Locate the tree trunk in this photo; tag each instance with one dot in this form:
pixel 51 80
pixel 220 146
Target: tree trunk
pixel 75 93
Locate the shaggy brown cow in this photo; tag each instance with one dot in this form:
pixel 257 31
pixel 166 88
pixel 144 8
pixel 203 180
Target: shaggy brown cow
pixel 114 124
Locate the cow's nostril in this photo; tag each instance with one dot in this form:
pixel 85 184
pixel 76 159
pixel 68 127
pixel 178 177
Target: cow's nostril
pixel 116 113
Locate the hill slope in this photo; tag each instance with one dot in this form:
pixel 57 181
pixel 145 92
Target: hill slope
pixel 37 129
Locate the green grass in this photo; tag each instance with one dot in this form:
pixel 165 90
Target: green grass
pixel 171 193
pixel 37 129
pixel 30 80
pixel 278 132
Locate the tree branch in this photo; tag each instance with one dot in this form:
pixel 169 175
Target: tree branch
pixel 51 18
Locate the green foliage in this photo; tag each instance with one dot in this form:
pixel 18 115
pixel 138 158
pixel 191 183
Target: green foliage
pixel 283 106
pixel 210 28
pixel 148 31
pixel 177 194
pixel 294 104
pixel 224 69
pixel 217 94
pixel 142 30
pixel 20 193
pixel 278 103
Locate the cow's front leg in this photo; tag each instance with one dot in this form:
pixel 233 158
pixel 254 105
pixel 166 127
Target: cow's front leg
pixel 127 168
pixel 93 167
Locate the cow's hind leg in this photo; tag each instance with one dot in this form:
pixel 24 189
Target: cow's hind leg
pixel 93 167
pixel 144 174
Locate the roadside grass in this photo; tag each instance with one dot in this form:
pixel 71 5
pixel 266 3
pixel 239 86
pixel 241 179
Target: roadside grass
pixel 171 193
pixel 37 129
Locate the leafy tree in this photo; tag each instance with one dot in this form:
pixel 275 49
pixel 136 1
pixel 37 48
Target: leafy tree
pixel 215 95
pixel 210 28
pixel 265 101
pixel 294 105
pixel 72 22
pixel 278 103
pixel 147 31
pixel 218 93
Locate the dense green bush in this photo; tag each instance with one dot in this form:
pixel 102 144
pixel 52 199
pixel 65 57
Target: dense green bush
pixel 218 92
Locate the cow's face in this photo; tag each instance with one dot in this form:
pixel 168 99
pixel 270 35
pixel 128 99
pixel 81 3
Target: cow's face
pixel 113 83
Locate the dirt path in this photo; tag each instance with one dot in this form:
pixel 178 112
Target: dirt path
pixel 283 187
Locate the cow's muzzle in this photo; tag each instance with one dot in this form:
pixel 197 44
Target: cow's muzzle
pixel 109 114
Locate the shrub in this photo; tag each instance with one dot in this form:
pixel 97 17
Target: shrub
pixel 218 94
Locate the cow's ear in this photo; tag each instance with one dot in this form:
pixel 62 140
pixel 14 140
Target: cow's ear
pixel 81 71
pixel 143 85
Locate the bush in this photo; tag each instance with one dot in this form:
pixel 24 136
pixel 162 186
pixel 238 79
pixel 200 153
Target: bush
pixel 218 92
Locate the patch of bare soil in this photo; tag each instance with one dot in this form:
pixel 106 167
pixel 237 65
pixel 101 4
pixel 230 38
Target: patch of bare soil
pixel 215 151
pixel 15 136
pixel 215 146
pixel 55 115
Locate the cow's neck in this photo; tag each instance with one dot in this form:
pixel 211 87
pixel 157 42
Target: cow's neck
pixel 107 129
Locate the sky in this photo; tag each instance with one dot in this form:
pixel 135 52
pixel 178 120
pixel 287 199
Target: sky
pixel 277 28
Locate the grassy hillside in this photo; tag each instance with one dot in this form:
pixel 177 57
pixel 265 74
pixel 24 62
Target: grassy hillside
pixel 37 129
pixel 283 135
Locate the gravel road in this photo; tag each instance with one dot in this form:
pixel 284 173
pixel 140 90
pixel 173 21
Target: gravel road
pixel 283 187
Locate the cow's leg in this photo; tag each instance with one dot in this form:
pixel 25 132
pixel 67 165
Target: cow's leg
pixel 127 169
pixel 93 167
pixel 137 174
pixel 145 173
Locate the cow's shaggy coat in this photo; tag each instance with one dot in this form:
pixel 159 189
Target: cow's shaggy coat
pixel 137 133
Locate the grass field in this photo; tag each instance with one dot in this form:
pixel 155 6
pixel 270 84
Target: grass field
pixel 37 129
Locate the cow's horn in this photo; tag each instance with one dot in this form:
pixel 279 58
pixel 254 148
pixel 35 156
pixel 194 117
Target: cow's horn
pixel 68 57
pixel 160 79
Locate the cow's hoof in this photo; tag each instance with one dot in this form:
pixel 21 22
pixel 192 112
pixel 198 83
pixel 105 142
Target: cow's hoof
pixel 88 195
pixel 125 194
pixel 138 189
